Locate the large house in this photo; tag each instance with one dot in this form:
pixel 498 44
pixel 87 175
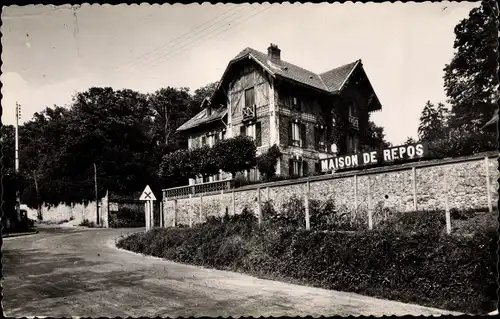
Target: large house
pixel 276 102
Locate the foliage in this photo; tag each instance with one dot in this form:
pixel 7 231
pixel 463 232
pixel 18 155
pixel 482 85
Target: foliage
pixel 375 137
pixel 433 122
pixel 410 140
pixel 203 93
pixel 447 272
pixel 471 78
pixel 176 167
pixel 127 217
pixel 87 223
pixel 205 160
pixel 235 154
pixel 266 162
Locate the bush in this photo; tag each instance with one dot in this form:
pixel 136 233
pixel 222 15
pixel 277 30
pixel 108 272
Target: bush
pixel 415 222
pixel 127 217
pixel 266 162
pixel 86 223
pixel 431 269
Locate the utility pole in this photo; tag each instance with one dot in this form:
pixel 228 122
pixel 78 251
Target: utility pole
pixel 18 200
pixel 38 206
pixel 96 198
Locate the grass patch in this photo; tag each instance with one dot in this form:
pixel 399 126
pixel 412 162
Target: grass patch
pixel 424 266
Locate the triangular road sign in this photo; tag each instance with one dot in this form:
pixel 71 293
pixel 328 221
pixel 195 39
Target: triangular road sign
pixel 147 194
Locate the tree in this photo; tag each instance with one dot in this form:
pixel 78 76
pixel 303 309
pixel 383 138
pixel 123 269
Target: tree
pixel 375 136
pixel 203 93
pixel 410 140
pixel 266 162
pixel 171 107
pixel 235 154
pixel 433 122
pixel 471 78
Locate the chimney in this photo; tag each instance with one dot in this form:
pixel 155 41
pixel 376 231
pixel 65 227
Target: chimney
pixel 274 53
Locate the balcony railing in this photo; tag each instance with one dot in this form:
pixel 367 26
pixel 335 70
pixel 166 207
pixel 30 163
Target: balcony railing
pixel 354 122
pixel 249 112
pixel 198 189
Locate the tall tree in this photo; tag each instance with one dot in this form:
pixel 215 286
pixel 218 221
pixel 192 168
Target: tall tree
pixel 171 108
pixel 203 92
pixel 375 136
pixel 433 122
pixel 471 78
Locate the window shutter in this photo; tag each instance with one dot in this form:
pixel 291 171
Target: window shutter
pixel 290 132
pixel 317 167
pixel 290 167
pixel 316 138
pixel 258 134
pixel 305 168
pixel 243 130
pixel 303 135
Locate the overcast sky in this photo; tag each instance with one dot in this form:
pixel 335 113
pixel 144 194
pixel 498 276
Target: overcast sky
pixel 49 53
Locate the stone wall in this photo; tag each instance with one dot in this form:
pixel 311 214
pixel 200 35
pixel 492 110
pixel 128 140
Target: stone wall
pixel 358 192
pixel 75 212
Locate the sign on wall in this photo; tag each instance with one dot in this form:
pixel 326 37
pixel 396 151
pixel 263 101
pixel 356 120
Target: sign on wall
pixel 382 156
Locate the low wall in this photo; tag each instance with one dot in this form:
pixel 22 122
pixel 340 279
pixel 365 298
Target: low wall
pixel 76 212
pixel 465 182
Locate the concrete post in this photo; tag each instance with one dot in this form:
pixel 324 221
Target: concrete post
pixel 306 204
pixel 446 203
pixel 414 184
pixel 370 212
pixel 488 185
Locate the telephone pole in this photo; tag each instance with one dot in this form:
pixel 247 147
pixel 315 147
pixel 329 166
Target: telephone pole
pixel 18 201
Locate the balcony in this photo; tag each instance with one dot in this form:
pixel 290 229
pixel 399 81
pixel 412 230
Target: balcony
pixel 354 122
pixel 249 112
pixel 198 189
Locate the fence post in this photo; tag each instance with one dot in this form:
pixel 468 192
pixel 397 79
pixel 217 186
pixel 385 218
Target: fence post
pixel 267 188
pixel 488 186
pixel 355 196
pixel 259 207
pixel 201 209
pixel 370 213
pixel 234 203
pixel 174 222
pixel 446 204
pixel 146 214
pixel 191 211
pixel 306 204
pixel 414 184
pixel 161 214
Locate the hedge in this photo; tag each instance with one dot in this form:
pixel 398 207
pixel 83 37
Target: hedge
pixel 433 269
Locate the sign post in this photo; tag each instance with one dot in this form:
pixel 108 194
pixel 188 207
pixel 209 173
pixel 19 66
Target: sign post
pixel 149 197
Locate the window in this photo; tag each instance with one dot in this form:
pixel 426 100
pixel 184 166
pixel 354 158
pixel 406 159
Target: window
pixel 352 144
pixel 295 103
pixel 203 140
pixel 222 135
pixel 295 134
pixel 320 139
pixel 352 109
pixel 254 131
pixel 293 168
pixel 249 97
pixel 216 137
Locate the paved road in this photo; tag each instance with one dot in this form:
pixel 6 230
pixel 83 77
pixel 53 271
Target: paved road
pixel 79 272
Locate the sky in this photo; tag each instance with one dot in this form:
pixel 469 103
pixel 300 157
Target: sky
pixel 52 52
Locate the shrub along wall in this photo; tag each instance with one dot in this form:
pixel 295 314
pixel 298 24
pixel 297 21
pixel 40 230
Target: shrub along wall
pixel 464 183
pixel 425 266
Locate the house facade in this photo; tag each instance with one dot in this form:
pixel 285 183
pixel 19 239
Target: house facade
pixel 276 102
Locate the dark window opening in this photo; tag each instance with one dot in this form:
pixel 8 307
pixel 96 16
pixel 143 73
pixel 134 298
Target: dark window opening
pixel 249 97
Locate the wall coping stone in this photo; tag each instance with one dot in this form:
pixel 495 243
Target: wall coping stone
pixel 370 171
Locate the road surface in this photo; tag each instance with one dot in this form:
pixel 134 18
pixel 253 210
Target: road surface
pixel 79 272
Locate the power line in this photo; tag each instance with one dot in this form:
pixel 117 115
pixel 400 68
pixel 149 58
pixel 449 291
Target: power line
pixel 169 55
pixel 181 36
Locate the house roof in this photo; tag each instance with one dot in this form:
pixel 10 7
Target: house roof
pixel 331 81
pixel 203 118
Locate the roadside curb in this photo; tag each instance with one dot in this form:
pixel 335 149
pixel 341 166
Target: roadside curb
pixel 4 236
